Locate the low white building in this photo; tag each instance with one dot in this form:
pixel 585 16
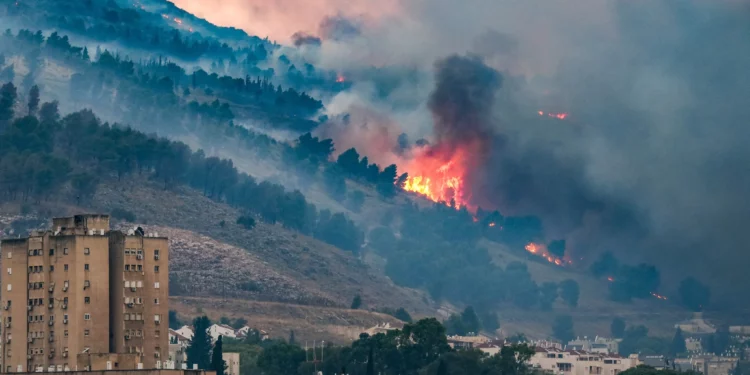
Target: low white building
pixel 217 330
pixel 573 362
pixel 233 363
pixel 186 331
pixel 603 345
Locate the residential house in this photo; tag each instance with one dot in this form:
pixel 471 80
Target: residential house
pixel 217 330
pixel 243 332
pixel 466 342
pixel 602 345
pixel 574 362
pixel 177 349
pixel 233 363
pixel 186 331
pixel 707 364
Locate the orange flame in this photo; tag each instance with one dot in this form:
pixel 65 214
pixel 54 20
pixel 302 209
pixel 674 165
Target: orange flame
pixel 561 115
pixel 436 179
pixel 541 251
pixel 659 296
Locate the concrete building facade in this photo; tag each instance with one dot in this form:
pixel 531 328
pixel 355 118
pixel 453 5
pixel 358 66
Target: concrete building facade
pixel 573 362
pixel 63 294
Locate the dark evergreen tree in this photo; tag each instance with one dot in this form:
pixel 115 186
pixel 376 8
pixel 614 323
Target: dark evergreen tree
pixel 678 343
pixel 217 359
pixel 33 104
pixel 199 350
pixel 356 302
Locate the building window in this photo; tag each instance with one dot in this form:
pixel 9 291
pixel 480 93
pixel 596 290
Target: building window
pixel 127 317
pixel 127 284
pixel 86 316
pixel 66 267
pixel 65 301
pixel 86 283
pixel 9 287
pixel 86 251
pixel 127 267
pixel 51 268
pixel 157 317
pixel 65 251
pixel 85 332
pixel 156 268
pixel 86 267
pixel 157 333
pixel 87 299
pixel 156 301
pixel 140 284
pixel 156 285
pixel 10 271
pixel 140 252
pixel 140 268
pixel 65 333
pixel 51 252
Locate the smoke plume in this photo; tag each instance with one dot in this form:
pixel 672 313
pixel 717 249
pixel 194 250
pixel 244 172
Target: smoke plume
pixel 651 160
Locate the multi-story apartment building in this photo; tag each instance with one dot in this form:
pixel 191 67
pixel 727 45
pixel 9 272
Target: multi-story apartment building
pixel 81 294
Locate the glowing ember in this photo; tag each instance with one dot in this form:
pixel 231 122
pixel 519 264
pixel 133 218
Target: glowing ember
pixel 541 251
pixel 492 225
pixel 179 21
pixel 560 115
pixel 610 279
pixel 659 296
pixel 438 180
pixel 340 78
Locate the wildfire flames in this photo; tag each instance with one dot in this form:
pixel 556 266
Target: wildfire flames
pixel 541 251
pixel 560 115
pixel 659 296
pixel 438 180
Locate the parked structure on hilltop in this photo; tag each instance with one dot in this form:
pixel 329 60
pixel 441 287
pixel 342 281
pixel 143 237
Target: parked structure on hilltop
pixel 696 325
pixel 83 297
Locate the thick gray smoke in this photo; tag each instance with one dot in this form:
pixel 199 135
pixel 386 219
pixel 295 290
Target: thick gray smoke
pixel 651 162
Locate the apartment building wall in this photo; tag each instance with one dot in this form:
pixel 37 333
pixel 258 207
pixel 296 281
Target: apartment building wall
pixel 140 286
pixel 66 296
pixel 14 296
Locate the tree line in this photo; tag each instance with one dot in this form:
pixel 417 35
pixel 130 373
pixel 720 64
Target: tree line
pixel 42 153
pixel 418 348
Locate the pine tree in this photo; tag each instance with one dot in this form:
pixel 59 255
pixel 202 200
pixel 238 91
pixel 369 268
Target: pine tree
pixel 292 341
pixel 217 358
pixel 33 99
pixel 199 351
pixel 86 54
pixel 678 343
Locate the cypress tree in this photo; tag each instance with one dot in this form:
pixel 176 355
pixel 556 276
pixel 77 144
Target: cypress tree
pixel 217 358
pixel 199 351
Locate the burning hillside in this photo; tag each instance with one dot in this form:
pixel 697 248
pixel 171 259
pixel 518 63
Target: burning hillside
pixel 438 179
